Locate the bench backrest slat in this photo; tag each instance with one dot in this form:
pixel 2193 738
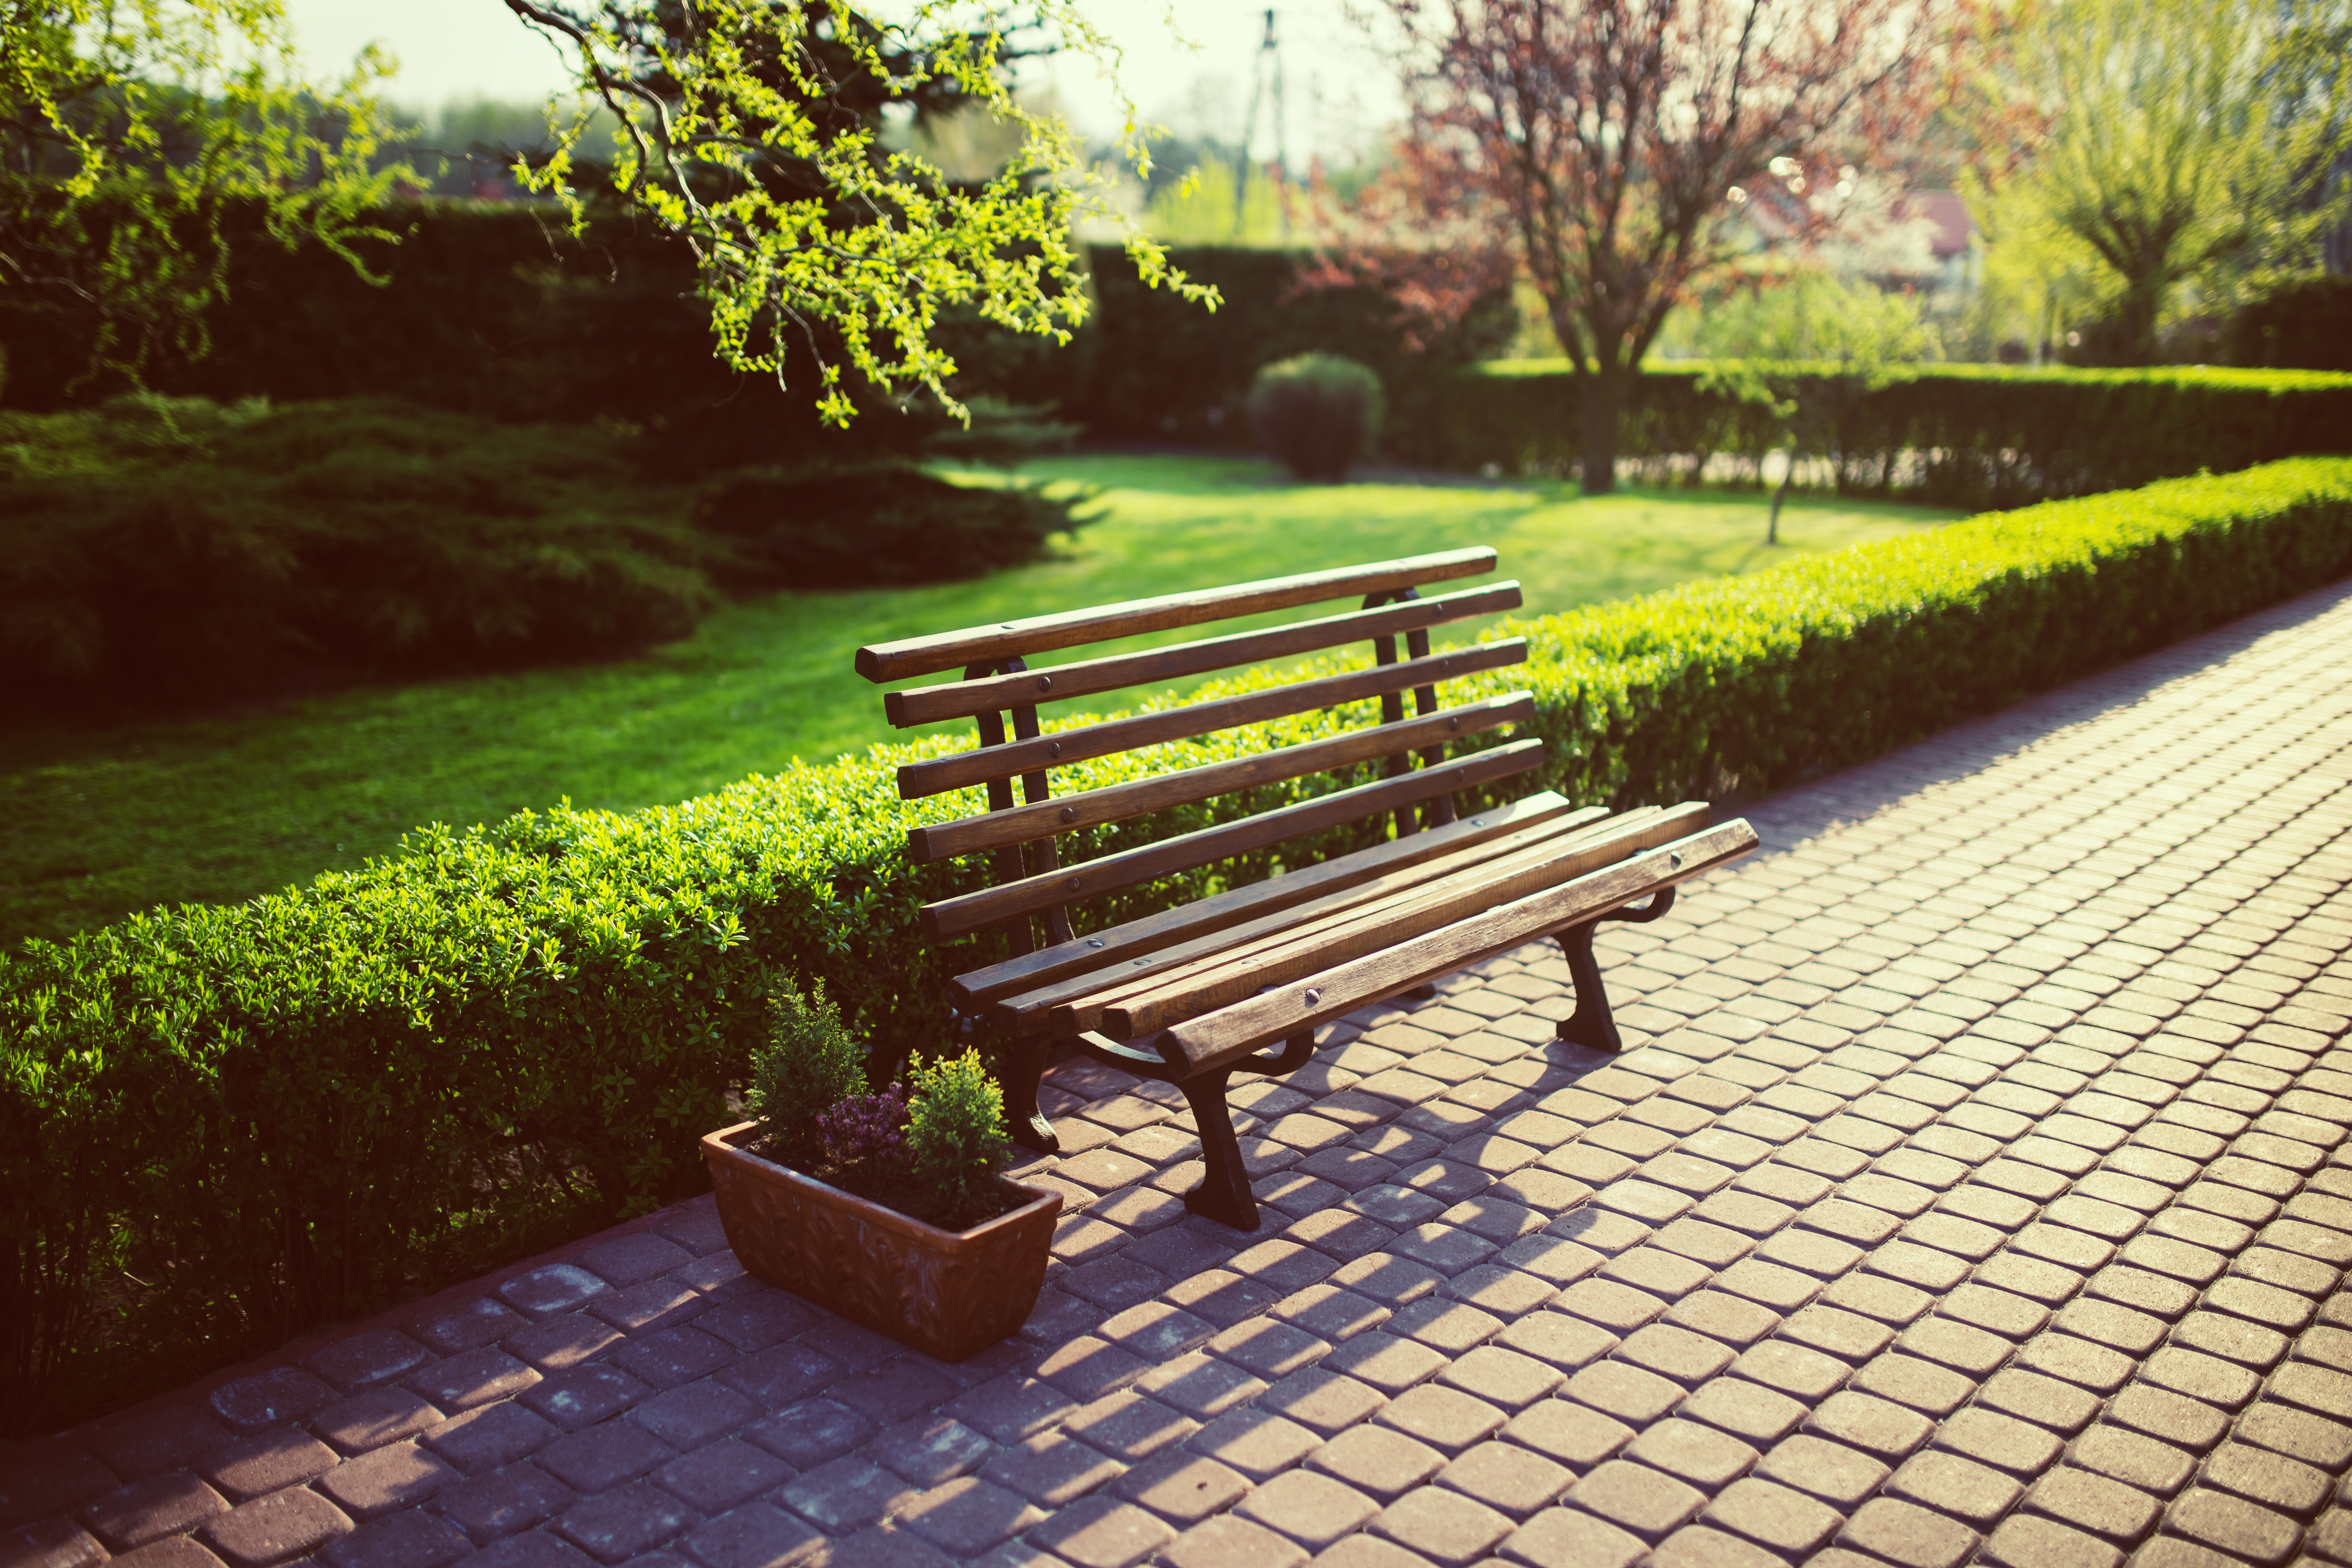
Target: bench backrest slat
pixel 1063 747
pixel 1090 878
pixel 1040 634
pixel 1114 672
pixel 1113 803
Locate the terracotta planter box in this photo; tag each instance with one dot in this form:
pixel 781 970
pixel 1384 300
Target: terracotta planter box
pixel 946 1293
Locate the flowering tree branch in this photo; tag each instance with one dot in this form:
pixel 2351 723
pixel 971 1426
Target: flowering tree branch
pixel 131 132
pixel 750 130
pixel 1620 150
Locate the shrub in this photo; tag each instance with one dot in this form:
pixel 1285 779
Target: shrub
pixel 164 551
pixel 956 1140
pixel 1317 413
pixel 304 1107
pixel 878 524
pixel 809 1067
pixel 1975 436
pixel 161 551
pixel 2303 323
pixel 1151 368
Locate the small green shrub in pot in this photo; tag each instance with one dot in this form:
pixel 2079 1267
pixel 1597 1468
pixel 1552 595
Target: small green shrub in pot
pixel 956 1137
pixel 931 1148
pixel 1316 414
pixel 809 1066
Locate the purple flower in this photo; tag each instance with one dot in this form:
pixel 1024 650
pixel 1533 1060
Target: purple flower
pixel 863 1127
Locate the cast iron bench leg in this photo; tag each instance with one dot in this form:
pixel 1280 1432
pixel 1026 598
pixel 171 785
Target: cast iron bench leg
pixel 1592 1023
pixel 1024 1064
pixel 1223 1195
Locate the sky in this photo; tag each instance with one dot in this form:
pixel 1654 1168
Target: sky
pixel 1336 96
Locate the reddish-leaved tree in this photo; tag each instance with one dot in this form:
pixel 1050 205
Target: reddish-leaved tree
pixel 1606 146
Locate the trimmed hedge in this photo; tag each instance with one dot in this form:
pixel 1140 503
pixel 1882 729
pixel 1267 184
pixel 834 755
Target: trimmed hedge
pixel 1976 435
pixel 2305 323
pixel 491 309
pixel 221 1126
pixel 488 310
pixel 1745 685
pixel 1149 367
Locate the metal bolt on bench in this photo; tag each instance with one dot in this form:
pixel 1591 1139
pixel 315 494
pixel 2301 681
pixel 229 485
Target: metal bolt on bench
pixel 1239 981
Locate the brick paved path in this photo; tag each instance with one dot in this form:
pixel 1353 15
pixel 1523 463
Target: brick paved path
pixel 1978 1190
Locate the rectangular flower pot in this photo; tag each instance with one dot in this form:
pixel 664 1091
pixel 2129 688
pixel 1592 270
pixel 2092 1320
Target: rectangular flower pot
pixel 946 1293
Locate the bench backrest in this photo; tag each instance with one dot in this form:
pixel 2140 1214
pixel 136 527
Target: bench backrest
pixel 996 680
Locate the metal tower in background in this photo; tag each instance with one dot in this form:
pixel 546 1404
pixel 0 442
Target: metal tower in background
pixel 1265 81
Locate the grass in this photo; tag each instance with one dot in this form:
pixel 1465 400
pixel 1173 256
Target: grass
pixel 96 823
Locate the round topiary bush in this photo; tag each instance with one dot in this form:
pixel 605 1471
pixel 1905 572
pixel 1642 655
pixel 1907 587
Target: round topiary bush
pixel 1316 414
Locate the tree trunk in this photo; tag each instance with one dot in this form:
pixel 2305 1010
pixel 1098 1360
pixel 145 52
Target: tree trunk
pixel 1604 399
pixel 2135 322
pixel 1788 478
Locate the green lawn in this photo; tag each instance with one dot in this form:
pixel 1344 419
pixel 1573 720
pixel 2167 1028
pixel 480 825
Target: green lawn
pixel 94 824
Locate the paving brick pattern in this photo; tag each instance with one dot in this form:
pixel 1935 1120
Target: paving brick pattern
pixel 1974 1188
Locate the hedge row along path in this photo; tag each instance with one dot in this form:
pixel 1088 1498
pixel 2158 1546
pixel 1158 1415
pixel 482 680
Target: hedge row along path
pixel 1979 1190
pixel 1962 435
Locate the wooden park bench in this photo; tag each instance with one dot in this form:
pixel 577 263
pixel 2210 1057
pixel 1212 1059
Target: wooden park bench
pixel 1238 980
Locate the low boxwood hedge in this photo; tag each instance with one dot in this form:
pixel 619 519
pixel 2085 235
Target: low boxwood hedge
pixel 220 1126
pixel 1957 435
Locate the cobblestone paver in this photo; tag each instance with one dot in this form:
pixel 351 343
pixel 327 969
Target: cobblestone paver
pixel 1975 1188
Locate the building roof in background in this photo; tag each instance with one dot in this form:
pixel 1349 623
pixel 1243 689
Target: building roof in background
pixel 1947 213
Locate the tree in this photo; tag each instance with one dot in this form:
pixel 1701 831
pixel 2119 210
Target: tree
pixel 758 131
pixel 2039 279
pixel 2166 138
pixel 130 137
pixel 1807 348
pixel 1608 145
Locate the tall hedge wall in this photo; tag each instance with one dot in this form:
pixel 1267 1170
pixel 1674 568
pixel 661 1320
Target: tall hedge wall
pixel 1976 435
pixel 485 309
pixel 1155 369
pixel 491 309
pixel 297 1108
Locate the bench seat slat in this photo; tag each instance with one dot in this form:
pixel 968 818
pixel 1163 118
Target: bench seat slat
pixel 1038 633
pixel 1229 1033
pixel 1063 747
pixel 1085 997
pixel 1157 932
pixel 1108 973
pixel 1113 803
pixel 1090 678
pixel 1127 1012
pixel 1089 879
